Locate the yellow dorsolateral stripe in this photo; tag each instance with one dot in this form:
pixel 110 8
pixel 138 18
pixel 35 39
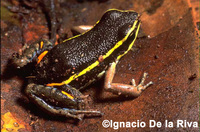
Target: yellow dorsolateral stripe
pixel 80 34
pixel 131 45
pixel 68 95
pixel 96 63
pixel 94 25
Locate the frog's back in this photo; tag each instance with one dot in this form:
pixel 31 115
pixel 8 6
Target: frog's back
pixel 76 54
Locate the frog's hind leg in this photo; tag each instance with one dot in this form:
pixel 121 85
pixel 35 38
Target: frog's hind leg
pixel 34 52
pixel 124 89
pixel 58 102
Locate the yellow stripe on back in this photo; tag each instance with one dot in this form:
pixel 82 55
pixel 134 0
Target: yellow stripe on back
pixel 96 63
pixel 131 45
pixel 80 34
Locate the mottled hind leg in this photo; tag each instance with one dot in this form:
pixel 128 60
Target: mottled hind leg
pixel 34 52
pixel 58 102
pixel 130 90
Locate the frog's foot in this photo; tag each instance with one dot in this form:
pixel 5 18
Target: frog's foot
pixel 141 86
pixel 72 113
pixel 124 89
pixel 67 112
pixel 58 102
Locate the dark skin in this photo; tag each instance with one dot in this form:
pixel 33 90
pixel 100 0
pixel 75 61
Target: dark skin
pixel 72 65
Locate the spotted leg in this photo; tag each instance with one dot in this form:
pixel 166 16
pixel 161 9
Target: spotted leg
pixel 129 90
pixel 59 102
pixel 34 52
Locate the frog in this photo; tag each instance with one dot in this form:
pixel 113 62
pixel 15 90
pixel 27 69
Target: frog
pixel 64 69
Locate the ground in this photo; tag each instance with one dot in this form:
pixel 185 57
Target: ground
pixel 168 52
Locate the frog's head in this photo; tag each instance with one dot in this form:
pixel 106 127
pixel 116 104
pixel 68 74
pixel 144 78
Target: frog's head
pixel 123 16
pixel 122 21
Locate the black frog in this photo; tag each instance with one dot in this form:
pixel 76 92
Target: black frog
pixel 63 69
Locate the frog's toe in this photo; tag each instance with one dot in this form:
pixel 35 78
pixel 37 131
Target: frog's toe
pixel 79 114
pixel 141 85
pixel 133 82
pixel 93 112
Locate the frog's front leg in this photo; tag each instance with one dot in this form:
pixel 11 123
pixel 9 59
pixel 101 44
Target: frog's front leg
pixel 124 89
pixel 53 100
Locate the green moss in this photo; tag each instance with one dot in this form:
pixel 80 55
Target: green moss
pixel 8 16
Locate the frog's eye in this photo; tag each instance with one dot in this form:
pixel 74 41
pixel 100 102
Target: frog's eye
pixel 112 15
